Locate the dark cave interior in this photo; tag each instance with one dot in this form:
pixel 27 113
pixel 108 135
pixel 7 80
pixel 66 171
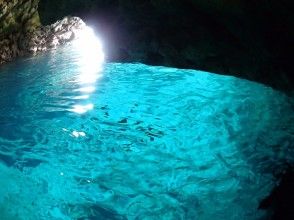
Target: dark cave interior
pixel 249 39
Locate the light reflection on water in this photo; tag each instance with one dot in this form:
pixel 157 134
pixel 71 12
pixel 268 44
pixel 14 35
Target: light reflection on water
pixel 89 64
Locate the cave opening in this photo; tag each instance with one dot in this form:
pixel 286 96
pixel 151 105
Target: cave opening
pixel 161 110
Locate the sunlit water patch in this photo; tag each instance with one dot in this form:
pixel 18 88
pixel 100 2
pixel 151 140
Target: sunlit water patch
pixel 130 141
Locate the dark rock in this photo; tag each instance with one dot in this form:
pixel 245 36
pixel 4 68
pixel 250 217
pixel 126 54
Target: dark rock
pixel 51 36
pixel 40 39
pixel 17 17
pixel 245 38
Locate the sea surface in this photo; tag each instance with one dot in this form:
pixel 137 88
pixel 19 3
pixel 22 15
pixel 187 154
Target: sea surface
pixel 85 140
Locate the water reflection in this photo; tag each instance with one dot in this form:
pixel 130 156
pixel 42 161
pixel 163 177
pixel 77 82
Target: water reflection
pixel 184 143
pixel 86 89
pixel 91 58
pixel 81 109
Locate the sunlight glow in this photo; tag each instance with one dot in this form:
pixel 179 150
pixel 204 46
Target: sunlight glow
pixel 81 97
pixel 87 42
pixel 86 89
pixel 81 109
pixel 91 59
pixel 92 55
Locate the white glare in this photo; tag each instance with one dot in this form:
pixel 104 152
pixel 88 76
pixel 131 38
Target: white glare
pixel 87 89
pixel 89 44
pixel 81 109
pixel 92 57
pixel 78 134
pixel 81 97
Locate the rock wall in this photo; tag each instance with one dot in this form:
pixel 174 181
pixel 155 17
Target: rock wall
pixel 247 38
pixel 18 15
pixel 49 37
pixel 22 34
pixel 17 18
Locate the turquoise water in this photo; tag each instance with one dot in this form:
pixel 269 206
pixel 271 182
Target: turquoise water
pixel 131 141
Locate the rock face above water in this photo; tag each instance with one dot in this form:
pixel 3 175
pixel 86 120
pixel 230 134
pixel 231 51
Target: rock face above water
pixel 246 38
pixel 17 18
pixel 51 36
pixel 22 34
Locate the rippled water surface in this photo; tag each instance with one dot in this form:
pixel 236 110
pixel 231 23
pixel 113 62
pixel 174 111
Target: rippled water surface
pixel 130 141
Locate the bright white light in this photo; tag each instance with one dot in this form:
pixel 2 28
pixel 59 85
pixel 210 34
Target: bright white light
pixel 87 41
pixel 87 89
pixel 92 55
pixel 87 77
pixel 78 134
pixel 81 97
pixel 81 109
pixel 91 58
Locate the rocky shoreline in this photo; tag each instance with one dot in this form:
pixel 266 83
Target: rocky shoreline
pixel 41 39
pixel 214 36
pixel 18 18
